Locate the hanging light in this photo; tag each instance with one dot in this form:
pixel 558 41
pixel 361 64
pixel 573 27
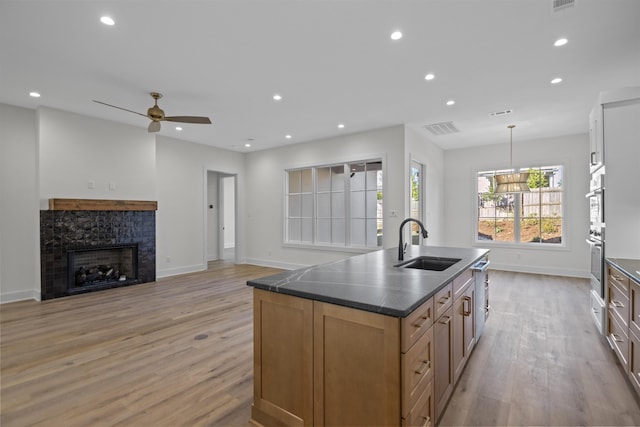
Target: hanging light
pixel 512 182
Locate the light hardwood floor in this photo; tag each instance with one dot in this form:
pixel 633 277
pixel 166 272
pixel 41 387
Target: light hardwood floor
pixel 178 352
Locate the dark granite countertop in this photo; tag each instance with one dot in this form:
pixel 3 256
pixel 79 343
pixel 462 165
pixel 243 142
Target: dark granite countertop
pixel 631 267
pixel 370 282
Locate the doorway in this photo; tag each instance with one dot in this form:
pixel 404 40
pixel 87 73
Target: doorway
pixel 221 217
pixel 417 200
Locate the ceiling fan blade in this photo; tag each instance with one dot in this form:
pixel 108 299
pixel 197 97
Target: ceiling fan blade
pixel 189 119
pixel 119 108
pixel 154 127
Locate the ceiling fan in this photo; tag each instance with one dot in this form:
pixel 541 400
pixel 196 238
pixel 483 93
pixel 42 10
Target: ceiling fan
pixel 156 114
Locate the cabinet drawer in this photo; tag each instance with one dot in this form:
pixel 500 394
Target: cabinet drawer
pixel 461 282
pixel 417 370
pixel 422 413
pixel 619 339
pixel 618 279
pixel 415 324
pixel 619 304
pixel 442 301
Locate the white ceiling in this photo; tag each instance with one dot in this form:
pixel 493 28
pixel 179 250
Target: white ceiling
pixel 332 62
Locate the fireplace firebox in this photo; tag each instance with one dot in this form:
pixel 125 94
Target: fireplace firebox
pixel 97 268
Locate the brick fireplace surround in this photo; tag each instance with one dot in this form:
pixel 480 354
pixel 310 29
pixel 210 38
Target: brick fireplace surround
pixel 73 224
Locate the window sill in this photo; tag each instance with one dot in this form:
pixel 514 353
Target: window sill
pixel 519 246
pixel 349 249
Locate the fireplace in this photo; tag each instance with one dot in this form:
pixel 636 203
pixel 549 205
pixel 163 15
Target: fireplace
pixel 91 245
pixel 96 268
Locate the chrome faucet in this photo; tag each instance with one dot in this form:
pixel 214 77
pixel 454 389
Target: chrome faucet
pixel 401 246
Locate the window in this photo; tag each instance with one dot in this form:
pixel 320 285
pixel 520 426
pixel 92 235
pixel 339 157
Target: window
pixel 335 205
pixel 526 218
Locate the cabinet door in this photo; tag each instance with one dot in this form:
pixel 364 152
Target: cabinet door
pixel 634 361
pixel 282 364
pixel 596 137
pixel 463 331
pixel 442 363
pixel 634 308
pixel 356 367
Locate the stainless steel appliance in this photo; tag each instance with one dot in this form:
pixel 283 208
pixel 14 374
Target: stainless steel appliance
pixel 596 241
pixel 481 304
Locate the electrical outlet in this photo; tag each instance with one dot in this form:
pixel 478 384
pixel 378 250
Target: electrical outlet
pixel 168 259
pixel 112 186
pixel 90 185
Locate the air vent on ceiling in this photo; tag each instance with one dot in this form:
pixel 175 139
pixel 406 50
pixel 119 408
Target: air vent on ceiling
pixel 444 128
pixel 558 5
pixel 501 113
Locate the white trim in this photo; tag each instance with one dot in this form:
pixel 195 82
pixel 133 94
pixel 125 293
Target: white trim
pixel 180 270
pixel 583 274
pixel 275 264
pixel 8 297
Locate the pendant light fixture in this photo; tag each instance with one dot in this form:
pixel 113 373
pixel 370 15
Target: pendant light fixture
pixel 512 182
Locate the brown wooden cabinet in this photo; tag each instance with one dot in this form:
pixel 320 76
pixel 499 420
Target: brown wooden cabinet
pixel 317 363
pixel 443 370
pixel 463 328
pixel 283 359
pixel 356 367
pixel 634 360
pixel 634 307
pixel 618 314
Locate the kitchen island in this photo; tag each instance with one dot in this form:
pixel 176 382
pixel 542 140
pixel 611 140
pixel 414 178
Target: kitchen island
pixel 363 341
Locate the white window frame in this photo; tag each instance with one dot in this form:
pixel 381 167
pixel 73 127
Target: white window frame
pixel 517 214
pixel 347 246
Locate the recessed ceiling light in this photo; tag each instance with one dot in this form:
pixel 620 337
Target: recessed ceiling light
pixel 429 76
pixel 341 126
pixel 277 97
pixel 556 81
pixel 560 42
pixel 178 128
pixel 107 20
pixel 34 94
pixel 288 136
pixel 396 35
pixel 451 102
pixel 247 145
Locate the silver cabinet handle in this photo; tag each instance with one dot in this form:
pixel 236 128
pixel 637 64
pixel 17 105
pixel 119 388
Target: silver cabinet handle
pixel 444 322
pixel 423 367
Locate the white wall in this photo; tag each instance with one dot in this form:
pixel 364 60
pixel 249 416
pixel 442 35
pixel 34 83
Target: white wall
pixel 182 194
pixel 265 196
pixel 19 214
pixel 572 152
pixel 422 150
pixel 76 150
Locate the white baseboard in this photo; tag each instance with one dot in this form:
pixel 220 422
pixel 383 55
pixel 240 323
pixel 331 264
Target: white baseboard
pixel 275 264
pixel 180 270
pixel 19 296
pixel 553 271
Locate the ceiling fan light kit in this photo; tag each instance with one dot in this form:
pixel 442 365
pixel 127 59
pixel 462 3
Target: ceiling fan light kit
pixel 156 115
pixel 512 181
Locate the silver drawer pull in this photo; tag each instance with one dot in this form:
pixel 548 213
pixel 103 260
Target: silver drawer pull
pixel 445 319
pixel 424 366
pixel 617 304
pixel 617 338
pixel 420 324
pixel 427 420
pixel 444 300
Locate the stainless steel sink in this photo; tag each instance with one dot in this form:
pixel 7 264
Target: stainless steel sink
pixel 433 263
